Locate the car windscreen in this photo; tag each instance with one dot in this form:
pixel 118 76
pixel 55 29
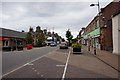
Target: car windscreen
pixel 64 43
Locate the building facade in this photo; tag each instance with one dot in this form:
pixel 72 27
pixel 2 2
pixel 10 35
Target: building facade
pixel 99 32
pixel 116 33
pixel 80 37
pixel 38 34
pixel 11 38
pixel 93 33
pixel 106 25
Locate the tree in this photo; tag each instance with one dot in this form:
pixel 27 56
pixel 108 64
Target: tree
pixel 63 39
pixel 41 40
pixel 74 40
pixel 69 36
pixel 29 38
pixel 39 43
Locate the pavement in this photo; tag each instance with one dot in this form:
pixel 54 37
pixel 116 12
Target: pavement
pixel 61 64
pixel 105 56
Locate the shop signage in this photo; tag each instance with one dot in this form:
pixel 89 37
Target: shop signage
pixel 93 33
pixel 2 38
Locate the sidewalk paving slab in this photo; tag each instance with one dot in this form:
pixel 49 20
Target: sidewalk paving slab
pixel 105 56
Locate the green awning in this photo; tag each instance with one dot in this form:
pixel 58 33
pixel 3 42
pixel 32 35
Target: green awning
pixel 93 33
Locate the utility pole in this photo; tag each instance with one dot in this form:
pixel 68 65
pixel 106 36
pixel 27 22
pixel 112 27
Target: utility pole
pixel 99 23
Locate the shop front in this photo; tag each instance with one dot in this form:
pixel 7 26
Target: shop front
pixel 8 44
pixel 5 43
pixel 12 40
pixel 93 38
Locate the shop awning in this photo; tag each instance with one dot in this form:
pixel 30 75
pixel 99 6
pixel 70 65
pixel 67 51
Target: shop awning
pixel 2 38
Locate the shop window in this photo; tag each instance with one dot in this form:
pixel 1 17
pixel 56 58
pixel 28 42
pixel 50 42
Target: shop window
pixel 5 43
pixel 19 42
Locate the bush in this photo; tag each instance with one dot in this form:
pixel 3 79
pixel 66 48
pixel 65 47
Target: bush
pixel 76 45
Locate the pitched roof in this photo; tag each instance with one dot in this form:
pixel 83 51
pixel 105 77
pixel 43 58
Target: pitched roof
pixel 11 33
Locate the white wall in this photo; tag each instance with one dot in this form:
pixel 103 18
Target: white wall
pixel 116 34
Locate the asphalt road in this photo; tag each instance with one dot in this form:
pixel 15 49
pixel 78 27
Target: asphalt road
pixel 12 60
pixel 60 64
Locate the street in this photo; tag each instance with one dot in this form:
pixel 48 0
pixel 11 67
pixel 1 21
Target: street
pixel 60 40
pixel 54 63
pixel 12 60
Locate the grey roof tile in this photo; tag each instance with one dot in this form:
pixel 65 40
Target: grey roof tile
pixel 11 33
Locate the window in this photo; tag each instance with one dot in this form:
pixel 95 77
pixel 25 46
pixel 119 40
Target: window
pixel 5 43
pixel 109 22
pixel 93 26
pixel 90 28
pixel 97 23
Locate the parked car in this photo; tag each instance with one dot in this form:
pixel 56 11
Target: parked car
pixel 63 45
pixel 53 44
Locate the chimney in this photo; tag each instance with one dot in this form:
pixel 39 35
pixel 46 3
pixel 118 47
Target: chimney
pixel 38 29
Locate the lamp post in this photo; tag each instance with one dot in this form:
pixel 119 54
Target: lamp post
pixel 99 22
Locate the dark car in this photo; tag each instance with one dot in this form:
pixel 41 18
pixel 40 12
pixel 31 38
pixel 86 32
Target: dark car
pixel 63 45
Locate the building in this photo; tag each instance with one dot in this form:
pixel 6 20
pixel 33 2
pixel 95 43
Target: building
pixel 10 38
pixel 106 25
pixel 38 34
pixel 80 37
pixel 92 33
pixel 116 32
pixel 99 31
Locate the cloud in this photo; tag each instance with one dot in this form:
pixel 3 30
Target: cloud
pixel 58 0
pixel 60 15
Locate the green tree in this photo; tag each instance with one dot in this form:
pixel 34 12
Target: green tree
pixel 69 36
pixel 29 38
pixel 74 40
pixel 39 43
pixel 41 40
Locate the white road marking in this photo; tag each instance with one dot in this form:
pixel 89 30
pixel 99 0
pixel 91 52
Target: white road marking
pixel 25 64
pixel 29 64
pixel 60 65
pixel 66 66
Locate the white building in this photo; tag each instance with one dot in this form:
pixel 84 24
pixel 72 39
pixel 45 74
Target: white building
pixel 116 33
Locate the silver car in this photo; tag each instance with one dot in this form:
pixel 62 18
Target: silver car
pixel 53 44
pixel 63 45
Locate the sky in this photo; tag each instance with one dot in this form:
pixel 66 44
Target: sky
pixel 58 15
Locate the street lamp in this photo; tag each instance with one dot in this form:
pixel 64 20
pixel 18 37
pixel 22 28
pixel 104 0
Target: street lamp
pixel 99 21
pixel 96 5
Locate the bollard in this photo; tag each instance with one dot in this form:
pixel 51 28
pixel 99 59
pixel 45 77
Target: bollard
pixel 88 48
pixel 94 50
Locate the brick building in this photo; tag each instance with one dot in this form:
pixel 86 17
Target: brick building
pixel 10 38
pixel 93 33
pixel 99 31
pixel 38 34
pixel 81 35
pixel 106 24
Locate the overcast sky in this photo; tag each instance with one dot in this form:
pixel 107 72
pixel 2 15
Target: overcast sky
pixel 60 15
